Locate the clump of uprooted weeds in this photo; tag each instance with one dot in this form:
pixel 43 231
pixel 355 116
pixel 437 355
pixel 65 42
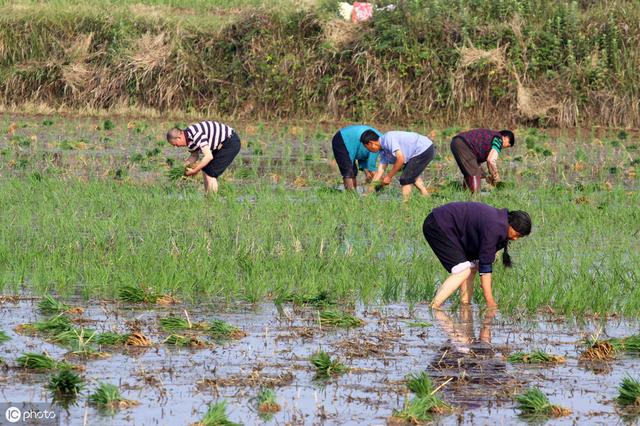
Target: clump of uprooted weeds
pixel 335 318
pixel 108 397
pixel 50 306
pixel 534 403
pixel 137 294
pixel 327 367
pixel 216 415
pixel 629 395
pixel 607 349
pixel 424 406
pixel 535 357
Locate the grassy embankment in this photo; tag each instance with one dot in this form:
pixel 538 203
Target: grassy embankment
pixel 486 61
pixel 272 232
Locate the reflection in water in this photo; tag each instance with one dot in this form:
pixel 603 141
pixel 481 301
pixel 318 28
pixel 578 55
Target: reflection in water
pixel 479 373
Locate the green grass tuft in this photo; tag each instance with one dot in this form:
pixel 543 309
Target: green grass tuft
pixel 172 323
pixel 217 415
pixel 333 318
pixel 267 401
pixel 179 340
pixel 111 339
pixel 325 366
pixel 177 173
pixel 4 337
pixel 534 403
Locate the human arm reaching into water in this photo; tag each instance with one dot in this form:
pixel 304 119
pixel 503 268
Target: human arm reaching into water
pixel 485 283
pixel 207 156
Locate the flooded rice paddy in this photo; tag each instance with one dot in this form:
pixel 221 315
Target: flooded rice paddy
pixel 463 350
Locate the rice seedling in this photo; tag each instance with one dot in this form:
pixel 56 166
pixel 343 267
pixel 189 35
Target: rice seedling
pixel 421 410
pixel 322 299
pixel 219 329
pixel 267 402
pixel 107 396
pixel 36 361
pixel 65 384
pixel 534 403
pixel 136 294
pixel 49 327
pixel 4 337
pixel 632 344
pixel 325 366
pixel 420 384
pixel 629 394
pixel 177 173
pixel 111 339
pixel 536 357
pixel 419 324
pixel 217 415
pixel 334 318
pixel 179 340
pixel 173 323
pixel 50 306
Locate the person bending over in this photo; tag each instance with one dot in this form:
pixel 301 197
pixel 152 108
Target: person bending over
pixel 465 237
pixel 474 147
pixel 214 144
pixel 348 150
pixel 406 151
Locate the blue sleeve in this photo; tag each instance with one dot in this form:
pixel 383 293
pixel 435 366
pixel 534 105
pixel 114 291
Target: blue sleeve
pixel 371 161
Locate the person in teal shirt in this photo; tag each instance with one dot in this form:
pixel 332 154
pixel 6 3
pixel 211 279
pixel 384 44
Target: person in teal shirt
pixel 348 150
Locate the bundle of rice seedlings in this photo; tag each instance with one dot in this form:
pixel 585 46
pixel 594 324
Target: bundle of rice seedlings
pixel 4 337
pixel 536 357
pixel 333 318
pixel 534 403
pixel 138 339
pixel 48 305
pixel 107 396
pixel 178 340
pixel 421 410
pixel 136 294
pixel 219 329
pixel 36 361
pixel 177 173
pixel 49 327
pixel 629 394
pixel 267 402
pixel 632 344
pixel 111 339
pixel 601 350
pixel 66 384
pixel 420 384
pixel 325 366
pixel 321 299
pixel 173 323
pixel 217 415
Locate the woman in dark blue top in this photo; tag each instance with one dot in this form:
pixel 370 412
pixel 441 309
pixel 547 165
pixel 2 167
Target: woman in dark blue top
pixel 465 237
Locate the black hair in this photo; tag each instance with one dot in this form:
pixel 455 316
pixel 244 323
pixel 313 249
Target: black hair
pixel 521 223
pixel 368 136
pixel 510 135
pixel 173 133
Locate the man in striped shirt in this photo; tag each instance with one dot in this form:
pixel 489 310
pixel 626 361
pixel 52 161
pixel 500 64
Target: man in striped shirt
pixel 217 143
pixel 474 147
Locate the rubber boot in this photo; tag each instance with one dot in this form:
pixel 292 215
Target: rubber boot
pixel 473 183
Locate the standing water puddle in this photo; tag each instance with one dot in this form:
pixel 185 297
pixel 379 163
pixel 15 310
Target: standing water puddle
pixel 175 386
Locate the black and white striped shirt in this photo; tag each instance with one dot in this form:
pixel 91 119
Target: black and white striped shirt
pixel 206 134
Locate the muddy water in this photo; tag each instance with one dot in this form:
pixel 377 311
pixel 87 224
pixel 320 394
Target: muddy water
pixel 175 386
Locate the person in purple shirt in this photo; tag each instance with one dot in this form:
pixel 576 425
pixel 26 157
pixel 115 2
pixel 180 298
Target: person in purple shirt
pixel 465 237
pixel 407 151
pixel 476 146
